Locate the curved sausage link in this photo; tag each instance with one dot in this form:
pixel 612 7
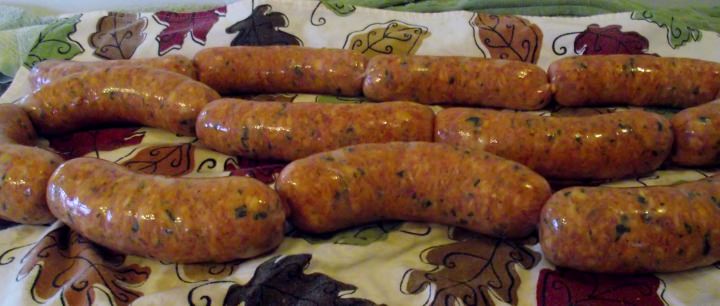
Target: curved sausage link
pixel 288 131
pixel 633 230
pixel 413 181
pixel 172 219
pixel 640 80
pixel 457 80
pixel 50 70
pixel 604 146
pixel 24 170
pixel 123 94
pixel 697 135
pixel 280 69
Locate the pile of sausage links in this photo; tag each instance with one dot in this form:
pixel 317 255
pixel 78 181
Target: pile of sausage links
pixel 470 165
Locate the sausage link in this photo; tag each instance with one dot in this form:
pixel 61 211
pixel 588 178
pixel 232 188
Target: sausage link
pixel 633 230
pixel 279 69
pixel 171 219
pixel 413 181
pixel 288 131
pixel 604 146
pixel 24 170
pixel 457 80
pixel 697 135
pixel 15 126
pixel 49 70
pixel 640 80
pixel 123 94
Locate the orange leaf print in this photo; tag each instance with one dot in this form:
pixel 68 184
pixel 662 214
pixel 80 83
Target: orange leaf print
pixel 169 160
pixel 508 37
pixel 74 267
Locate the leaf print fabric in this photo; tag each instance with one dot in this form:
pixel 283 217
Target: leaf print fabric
pixel 281 281
pixel 678 32
pixel 393 37
pixel 569 287
pixel 75 268
pixel 262 28
pixel 118 35
pixel 467 270
pixel 179 25
pixel 603 40
pixel 508 37
pixel 54 42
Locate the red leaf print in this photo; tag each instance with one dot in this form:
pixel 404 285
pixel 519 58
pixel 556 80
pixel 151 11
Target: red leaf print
pixel 609 40
pixel 80 143
pixel 263 171
pixel 570 287
pixel 178 25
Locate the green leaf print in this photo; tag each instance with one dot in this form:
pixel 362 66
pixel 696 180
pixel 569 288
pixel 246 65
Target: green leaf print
pixel 339 7
pixel 679 31
pixel 54 42
pixel 363 235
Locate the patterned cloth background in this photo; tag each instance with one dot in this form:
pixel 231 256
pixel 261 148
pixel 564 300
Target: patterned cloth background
pixel 393 263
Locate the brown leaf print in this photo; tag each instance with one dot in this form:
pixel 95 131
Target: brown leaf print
pixel 118 35
pixel 393 37
pixel 508 37
pixel 466 270
pixel 169 160
pixel 75 268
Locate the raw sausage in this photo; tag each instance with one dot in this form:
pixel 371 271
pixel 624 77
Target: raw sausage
pixel 457 80
pixel 607 146
pixel 697 135
pixel 49 70
pixel 640 80
pixel 24 170
pixel 280 69
pixel 124 94
pixel 633 230
pixel 413 181
pixel 170 219
pixel 288 131
pixel 15 126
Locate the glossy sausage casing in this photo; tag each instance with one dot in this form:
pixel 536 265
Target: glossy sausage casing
pixel 24 169
pixel 604 146
pixel 633 230
pixel 288 131
pixel 640 80
pixel 49 70
pixel 279 69
pixel 15 126
pixel 171 219
pixel 124 94
pixel 413 181
pixel 697 135
pixel 24 173
pixel 457 80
